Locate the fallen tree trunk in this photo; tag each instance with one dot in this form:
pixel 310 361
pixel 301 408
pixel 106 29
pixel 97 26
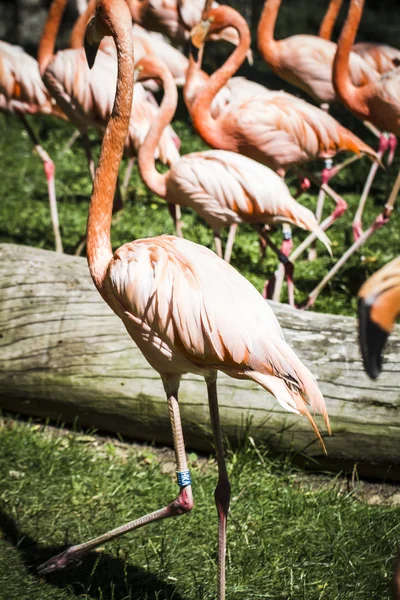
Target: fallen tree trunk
pixel 65 355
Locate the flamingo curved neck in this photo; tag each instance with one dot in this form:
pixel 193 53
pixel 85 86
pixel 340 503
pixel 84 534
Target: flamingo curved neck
pixel 200 110
pixel 156 181
pixel 116 15
pixel 329 20
pixel 350 94
pixel 78 31
pixel 49 35
pixel 267 45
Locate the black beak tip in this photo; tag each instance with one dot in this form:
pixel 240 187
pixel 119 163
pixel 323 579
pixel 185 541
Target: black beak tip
pixel 193 51
pixel 372 340
pixel 91 53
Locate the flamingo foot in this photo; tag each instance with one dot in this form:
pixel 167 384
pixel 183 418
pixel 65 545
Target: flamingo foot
pixel 341 207
pixel 357 230
pixel 305 185
pixel 60 561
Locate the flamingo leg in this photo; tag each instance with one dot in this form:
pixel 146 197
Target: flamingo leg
pixel 217 243
pixel 325 177
pixel 71 141
pixel 181 505
pixel 127 177
pixel 229 242
pixel 49 170
pixel 380 220
pixel 88 151
pixel 223 490
pixel 357 225
pixel 175 212
pixel 392 148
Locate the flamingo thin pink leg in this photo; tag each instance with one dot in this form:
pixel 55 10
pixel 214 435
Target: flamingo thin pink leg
pixel 217 243
pixel 182 504
pixel 380 220
pixel 175 212
pixel 222 492
pixel 49 170
pixel 229 242
pixel 325 177
pixel 127 177
pixel 357 225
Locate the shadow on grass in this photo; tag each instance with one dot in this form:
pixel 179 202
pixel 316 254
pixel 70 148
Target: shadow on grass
pixel 98 576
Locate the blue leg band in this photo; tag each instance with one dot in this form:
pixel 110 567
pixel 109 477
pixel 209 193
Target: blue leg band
pixel 183 478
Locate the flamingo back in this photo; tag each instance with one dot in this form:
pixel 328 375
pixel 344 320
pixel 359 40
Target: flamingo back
pixel 225 188
pixel 380 57
pixel 282 131
pixel 306 61
pixel 188 310
pixel 20 80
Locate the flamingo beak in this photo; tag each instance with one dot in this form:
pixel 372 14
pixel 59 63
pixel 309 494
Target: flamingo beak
pixel 91 45
pixel 199 34
pixel 372 339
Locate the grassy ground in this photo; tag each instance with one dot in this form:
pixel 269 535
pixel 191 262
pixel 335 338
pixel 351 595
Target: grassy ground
pixel 24 213
pixel 289 537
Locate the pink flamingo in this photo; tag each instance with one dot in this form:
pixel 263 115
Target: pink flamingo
pixel 380 57
pixel 276 129
pixel 378 307
pixel 87 96
pixel 305 60
pixel 174 18
pixel 186 309
pixel 378 102
pixel 22 93
pixel 224 188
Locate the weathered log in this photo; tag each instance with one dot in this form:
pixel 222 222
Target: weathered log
pixel 65 355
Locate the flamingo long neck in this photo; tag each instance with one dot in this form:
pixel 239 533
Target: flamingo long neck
pixel 135 9
pixel 115 14
pixel 267 45
pixel 210 128
pixel 156 181
pixel 344 87
pixel 329 20
pixel 47 42
pixel 78 31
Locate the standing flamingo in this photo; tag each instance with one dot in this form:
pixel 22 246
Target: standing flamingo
pixel 305 60
pixel 378 307
pixel 185 308
pixel 380 57
pixel 22 93
pixel 277 129
pixel 222 187
pixel 377 101
pixel 87 96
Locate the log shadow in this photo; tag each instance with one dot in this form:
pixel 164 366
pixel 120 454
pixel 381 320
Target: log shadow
pixel 98 576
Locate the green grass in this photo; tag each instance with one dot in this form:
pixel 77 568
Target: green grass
pixel 286 539
pixel 25 219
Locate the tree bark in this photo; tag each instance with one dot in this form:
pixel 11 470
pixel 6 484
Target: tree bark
pixel 66 356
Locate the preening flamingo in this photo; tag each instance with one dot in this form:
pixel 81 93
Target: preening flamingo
pixel 378 307
pixel 224 188
pixel 305 60
pixel 22 93
pixel 185 308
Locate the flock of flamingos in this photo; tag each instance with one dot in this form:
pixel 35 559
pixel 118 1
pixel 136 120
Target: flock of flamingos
pixel 184 306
